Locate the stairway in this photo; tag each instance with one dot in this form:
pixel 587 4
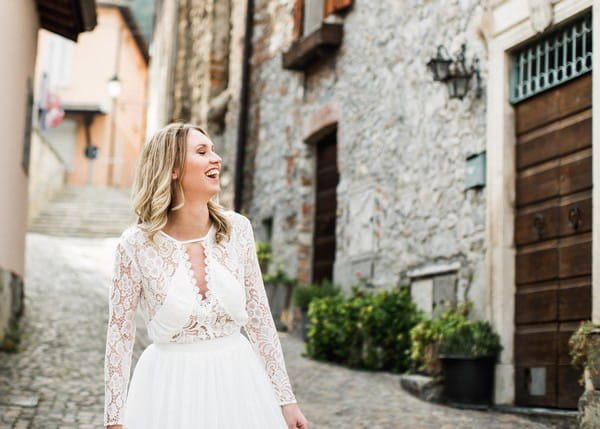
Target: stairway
pixel 85 211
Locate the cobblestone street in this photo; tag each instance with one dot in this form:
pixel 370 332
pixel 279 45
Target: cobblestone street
pixel 57 379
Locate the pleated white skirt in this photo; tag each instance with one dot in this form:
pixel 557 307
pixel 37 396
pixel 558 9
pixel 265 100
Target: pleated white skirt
pixel 210 384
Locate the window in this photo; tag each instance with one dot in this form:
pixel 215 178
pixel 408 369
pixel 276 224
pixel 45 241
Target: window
pixel 309 14
pixel 57 62
pixel 561 56
pixel 315 36
pixel 313 16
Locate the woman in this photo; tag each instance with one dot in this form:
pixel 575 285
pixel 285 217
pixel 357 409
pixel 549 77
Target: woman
pixel 192 268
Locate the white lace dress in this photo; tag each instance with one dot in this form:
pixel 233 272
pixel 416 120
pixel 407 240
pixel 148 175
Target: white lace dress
pixel 200 372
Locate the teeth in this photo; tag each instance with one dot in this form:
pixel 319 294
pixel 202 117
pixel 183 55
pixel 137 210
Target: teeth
pixel 213 173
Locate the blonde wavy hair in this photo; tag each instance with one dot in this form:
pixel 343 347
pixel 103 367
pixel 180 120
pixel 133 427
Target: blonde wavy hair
pixel 154 188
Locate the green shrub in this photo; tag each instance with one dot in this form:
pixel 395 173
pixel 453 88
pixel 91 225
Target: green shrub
pixel 265 254
pixel 332 335
pixel 305 293
pixel 367 330
pixel 472 339
pixel 584 349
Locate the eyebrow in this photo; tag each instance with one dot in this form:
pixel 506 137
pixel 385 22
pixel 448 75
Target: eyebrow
pixel 212 146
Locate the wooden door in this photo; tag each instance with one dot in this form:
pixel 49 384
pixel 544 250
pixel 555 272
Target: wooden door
pixel 553 238
pixel 325 209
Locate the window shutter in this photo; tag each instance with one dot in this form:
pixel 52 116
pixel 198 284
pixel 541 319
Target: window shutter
pixel 298 17
pixel 332 6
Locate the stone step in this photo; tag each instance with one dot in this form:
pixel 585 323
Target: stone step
pixel 83 211
pixel 78 213
pixel 75 225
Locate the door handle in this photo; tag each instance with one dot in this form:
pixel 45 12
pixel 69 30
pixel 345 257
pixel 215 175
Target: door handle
pixel 538 224
pixel 575 216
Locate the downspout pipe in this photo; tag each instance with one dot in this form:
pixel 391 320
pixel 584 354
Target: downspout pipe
pixel 244 107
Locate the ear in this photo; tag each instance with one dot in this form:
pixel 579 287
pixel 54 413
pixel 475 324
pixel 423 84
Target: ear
pixel 174 175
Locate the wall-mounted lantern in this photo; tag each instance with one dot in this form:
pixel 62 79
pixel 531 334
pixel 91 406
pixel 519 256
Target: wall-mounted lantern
pixel 440 64
pixel 454 72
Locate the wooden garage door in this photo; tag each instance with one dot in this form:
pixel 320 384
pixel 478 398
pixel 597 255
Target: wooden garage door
pixel 553 236
pixel 325 211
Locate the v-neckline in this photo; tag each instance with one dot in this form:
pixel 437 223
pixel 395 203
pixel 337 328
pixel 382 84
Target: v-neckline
pixel 192 275
pixel 192 240
pixel 192 279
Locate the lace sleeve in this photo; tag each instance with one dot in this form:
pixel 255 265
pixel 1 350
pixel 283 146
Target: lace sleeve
pixel 260 327
pixel 124 297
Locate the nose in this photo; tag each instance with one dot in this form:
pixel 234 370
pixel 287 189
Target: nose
pixel 215 157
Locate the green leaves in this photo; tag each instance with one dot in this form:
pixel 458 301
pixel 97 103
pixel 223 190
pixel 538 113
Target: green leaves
pixel 452 334
pixel 265 254
pixel 304 294
pixel 584 348
pixel 367 330
pixel 471 339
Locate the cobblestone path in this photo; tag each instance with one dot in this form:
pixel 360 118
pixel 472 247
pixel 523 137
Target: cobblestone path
pixel 334 397
pixel 56 381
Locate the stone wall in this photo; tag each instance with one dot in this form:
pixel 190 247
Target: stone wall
pixel 162 66
pixel 589 410
pixel 47 174
pixel 12 302
pixel 207 75
pixel 402 145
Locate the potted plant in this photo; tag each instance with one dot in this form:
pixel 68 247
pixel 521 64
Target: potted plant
pixel 426 336
pixel 468 352
pixel 305 293
pixel 279 287
pixel 584 348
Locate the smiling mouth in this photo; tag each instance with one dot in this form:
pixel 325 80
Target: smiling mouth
pixel 213 174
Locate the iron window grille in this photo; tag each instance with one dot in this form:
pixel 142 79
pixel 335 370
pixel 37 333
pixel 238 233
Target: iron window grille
pixel 561 56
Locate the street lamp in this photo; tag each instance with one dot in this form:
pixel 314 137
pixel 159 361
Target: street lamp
pixel 114 87
pixel 114 90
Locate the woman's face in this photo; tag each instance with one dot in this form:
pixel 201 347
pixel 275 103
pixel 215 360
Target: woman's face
pixel 202 167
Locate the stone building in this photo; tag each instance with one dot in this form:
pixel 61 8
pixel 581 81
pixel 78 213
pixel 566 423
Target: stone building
pixel 196 72
pixel 358 165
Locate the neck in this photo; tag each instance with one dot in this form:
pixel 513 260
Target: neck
pixel 190 221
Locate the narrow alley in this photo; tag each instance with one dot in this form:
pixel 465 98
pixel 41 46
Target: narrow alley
pixel 57 379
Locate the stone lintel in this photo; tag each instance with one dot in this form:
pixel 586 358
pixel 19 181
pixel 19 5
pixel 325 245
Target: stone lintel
pixel 434 270
pixel 320 124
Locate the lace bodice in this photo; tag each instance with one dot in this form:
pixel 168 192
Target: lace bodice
pixel 158 279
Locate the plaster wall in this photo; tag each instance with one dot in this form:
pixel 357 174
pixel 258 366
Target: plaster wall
pixel 19 32
pixel 91 62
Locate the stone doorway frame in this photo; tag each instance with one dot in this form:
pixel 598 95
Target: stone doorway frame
pixel 510 25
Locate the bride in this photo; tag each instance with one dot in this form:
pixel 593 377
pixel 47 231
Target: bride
pixel 192 269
